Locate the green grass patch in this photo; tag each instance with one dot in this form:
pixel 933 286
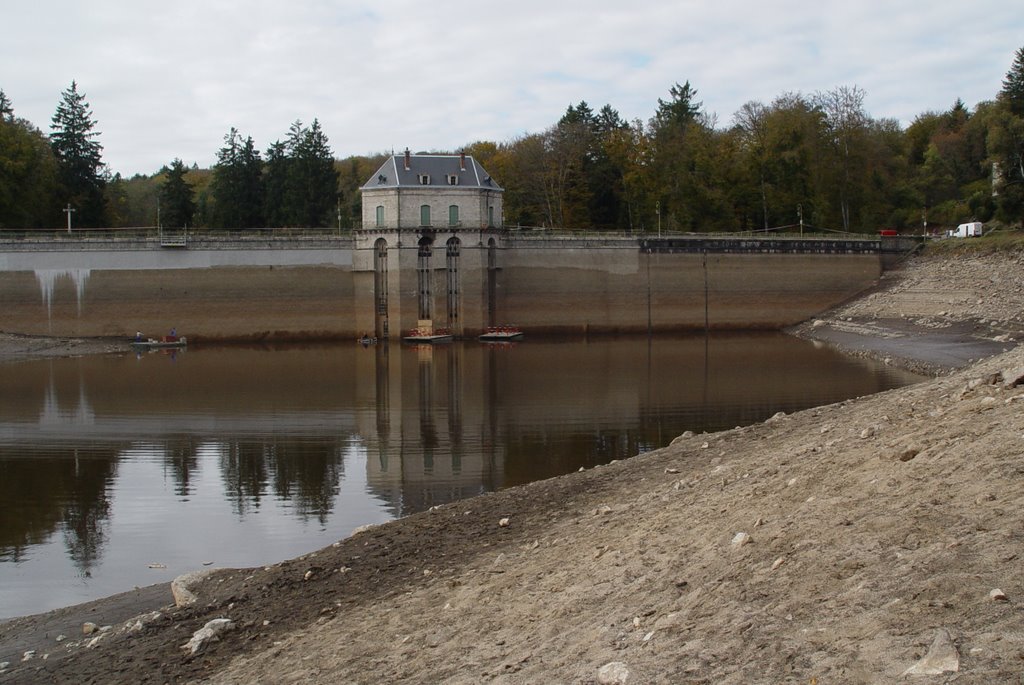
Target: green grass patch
pixel 998 241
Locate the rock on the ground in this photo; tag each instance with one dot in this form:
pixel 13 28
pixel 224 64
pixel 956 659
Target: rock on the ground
pixel 210 632
pixel 181 587
pixel 942 657
pixel 614 673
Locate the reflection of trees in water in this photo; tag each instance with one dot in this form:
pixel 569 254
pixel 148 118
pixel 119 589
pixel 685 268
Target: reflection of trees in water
pixel 67 492
pixel 181 458
pixel 309 474
pixel 306 473
pixel 243 468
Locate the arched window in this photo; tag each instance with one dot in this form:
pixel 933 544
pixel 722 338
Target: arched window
pixel 423 276
pixel 452 280
pixel 492 281
pixel 380 287
pixel 424 215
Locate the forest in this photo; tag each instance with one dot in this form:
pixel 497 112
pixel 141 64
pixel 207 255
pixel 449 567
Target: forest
pixel 816 160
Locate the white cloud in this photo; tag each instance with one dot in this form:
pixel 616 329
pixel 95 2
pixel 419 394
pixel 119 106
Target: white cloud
pixel 168 80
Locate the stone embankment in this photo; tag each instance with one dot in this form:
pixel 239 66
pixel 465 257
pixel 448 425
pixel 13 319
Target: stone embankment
pixel 870 541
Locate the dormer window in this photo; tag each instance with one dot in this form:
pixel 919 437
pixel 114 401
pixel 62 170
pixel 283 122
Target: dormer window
pixel 453 179
pixel 424 179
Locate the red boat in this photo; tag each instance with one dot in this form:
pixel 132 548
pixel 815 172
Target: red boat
pixel 501 334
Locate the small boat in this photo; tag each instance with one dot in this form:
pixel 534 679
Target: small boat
pixel 501 334
pixel 428 335
pixel 366 340
pixel 167 342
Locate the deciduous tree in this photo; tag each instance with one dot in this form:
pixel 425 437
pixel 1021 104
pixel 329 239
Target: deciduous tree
pixel 845 125
pixel 28 173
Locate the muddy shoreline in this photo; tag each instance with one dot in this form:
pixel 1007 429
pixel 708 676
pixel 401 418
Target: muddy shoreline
pixel 833 544
pixel 15 347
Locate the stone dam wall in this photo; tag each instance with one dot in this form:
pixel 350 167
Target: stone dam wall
pixel 389 283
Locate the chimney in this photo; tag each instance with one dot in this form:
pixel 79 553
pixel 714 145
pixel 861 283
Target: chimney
pixel 408 159
pixel 462 160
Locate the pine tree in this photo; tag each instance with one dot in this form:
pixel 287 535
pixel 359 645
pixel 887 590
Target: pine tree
pixel 677 130
pixel 237 184
pixel 1013 85
pixel 682 109
pixel 176 197
pixel 313 180
pixel 275 186
pixel 251 185
pixel 1006 143
pixel 79 157
pixel 6 107
pixel 296 187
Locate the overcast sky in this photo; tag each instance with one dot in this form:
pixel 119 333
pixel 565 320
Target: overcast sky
pixel 169 79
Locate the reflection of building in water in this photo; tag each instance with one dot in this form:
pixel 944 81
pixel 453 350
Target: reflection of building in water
pixel 417 455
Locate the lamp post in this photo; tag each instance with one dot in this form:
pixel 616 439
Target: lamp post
pixel 68 210
pixel 657 210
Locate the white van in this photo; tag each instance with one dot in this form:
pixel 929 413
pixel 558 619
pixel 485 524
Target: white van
pixel 971 229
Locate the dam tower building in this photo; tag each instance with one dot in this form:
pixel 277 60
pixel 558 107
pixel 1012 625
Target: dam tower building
pixel 432 230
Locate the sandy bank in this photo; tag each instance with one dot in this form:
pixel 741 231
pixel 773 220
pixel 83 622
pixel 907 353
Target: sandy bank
pixel 15 347
pixel 835 545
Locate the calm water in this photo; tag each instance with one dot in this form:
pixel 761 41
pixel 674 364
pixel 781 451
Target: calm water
pixel 125 471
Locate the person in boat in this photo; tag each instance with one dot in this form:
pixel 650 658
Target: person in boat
pixel 138 336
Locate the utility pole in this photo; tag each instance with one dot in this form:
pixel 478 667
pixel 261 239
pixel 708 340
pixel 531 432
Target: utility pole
pixel 68 210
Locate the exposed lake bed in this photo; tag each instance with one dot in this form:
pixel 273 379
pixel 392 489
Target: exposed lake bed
pixel 869 526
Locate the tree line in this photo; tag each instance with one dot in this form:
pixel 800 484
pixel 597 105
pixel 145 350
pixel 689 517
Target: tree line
pixel 818 160
pixel 42 177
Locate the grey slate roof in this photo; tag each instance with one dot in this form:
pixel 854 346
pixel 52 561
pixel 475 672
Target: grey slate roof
pixel 392 173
